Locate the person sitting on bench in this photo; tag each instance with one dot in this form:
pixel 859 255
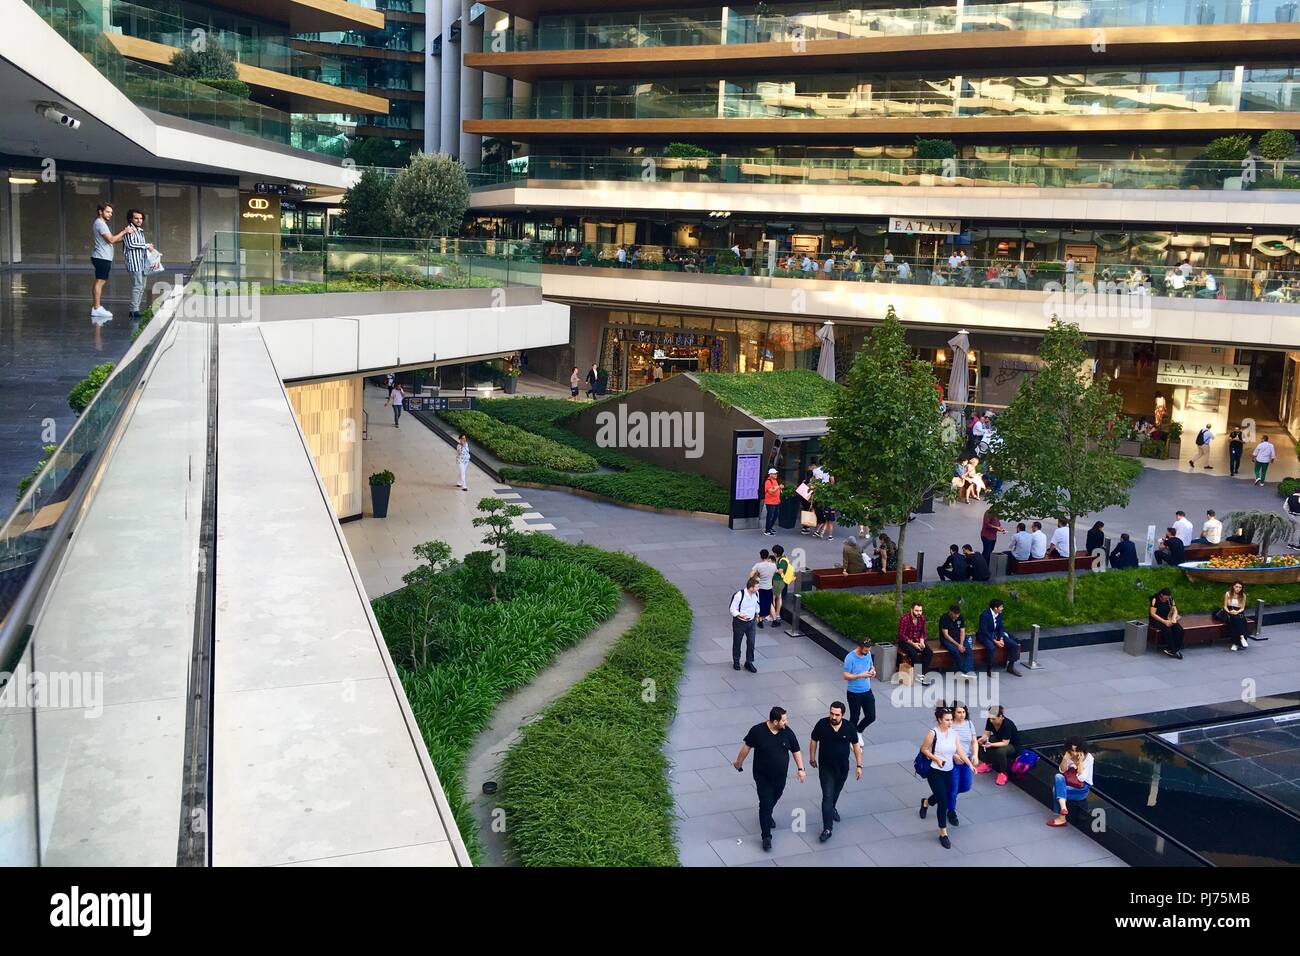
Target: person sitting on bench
pixel 1020 543
pixel 993 634
pixel 1164 621
pixel 851 556
pixel 977 569
pixel 1233 615
pixel 1170 549
pixel 1124 554
pixel 912 643
pixel 999 744
pixel 1074 781
pixel 1037 542
pixel 1211 531
pixel 954 569
pixel 954 638
pixel 1060 546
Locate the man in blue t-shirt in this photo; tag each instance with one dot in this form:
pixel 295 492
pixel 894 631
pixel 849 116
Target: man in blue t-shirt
pixel 859 668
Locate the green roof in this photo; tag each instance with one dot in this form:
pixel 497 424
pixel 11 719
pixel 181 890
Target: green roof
pixel 793 393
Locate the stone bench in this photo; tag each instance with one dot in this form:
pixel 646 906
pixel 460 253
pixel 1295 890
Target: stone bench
pixel 834 578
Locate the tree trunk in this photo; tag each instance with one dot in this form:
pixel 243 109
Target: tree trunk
pixel 898 574
pixel 1069 567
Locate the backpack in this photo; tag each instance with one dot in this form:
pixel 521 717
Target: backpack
pixel 739 594
pixel 1200 437
pixel 787 572
pixel 1024 763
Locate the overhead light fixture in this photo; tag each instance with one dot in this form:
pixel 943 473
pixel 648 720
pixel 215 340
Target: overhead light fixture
pixel 21 181
pixel 719 215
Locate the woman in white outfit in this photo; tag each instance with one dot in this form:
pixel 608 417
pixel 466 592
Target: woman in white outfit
pixel 942 747
pixel 462 460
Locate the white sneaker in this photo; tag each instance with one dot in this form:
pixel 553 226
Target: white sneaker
pixel 1243 643
pixel 101 313
pixel 1232 647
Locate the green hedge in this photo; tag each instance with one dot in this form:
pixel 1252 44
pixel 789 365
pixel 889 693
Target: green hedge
pixel 1287 487
pixel 484 651
pixel 587 783
pixel 632 481
pixel 84 392
pixel 1108 596
pixel 517 445
pixel 788 393
pixel 24 483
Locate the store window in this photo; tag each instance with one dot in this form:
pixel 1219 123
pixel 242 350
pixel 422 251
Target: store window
pixel 34 208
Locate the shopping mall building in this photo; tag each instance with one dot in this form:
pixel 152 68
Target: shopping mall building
pixel 732 152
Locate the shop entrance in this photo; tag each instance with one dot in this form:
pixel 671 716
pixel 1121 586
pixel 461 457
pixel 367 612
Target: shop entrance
pixel 1262 400
pixel 633 355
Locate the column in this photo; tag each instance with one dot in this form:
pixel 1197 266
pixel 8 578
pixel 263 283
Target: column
pixel 432 77
pixel 449 86
pixel 471 88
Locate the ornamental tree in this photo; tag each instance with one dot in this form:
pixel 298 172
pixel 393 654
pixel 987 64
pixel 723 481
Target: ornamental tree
pixel 365 206
pixel 887 446
pixel 1055 445
pixel 429 197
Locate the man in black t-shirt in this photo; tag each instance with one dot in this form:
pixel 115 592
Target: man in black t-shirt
pixel 837 737
pixel 773 743
pixel 977 569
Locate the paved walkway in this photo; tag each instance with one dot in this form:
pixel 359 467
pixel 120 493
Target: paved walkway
pixel 1001 826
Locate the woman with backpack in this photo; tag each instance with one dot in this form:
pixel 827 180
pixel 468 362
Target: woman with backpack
pixel 941 751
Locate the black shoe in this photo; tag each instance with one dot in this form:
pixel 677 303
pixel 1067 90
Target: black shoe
pixel 735 665
pixel 925 808
pixel 762 624
pixel 952 818
pixel 835 815
pixel 751 668
pixel 767 843
pixel 825 835
pixel 1178 654
pixel 945 842
pixel 1011 669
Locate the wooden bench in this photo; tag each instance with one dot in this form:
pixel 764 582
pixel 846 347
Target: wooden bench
pixel 943 660
pixel 1082 561
pixel 832 578
pixel 1198 629
pixel 1204 552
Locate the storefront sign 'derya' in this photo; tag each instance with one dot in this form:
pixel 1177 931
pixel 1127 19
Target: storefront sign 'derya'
pixel 1203 375
pixel 935 227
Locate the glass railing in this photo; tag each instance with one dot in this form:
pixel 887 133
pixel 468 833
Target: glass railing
pixel 1146 279
pixel 853 23
pixel 978 97
pixel 81 23
pixel 300 264
pixel 1000 170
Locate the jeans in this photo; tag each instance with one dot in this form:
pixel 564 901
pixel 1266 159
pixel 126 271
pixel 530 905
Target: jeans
pixel 941 784
pixel 771 517
pixel 863 703
pixel 1012 646
pixel 987 546
pixel 1064 791
pixel 747 630
pixel 1261 470
pixel 832 778
pixel 769 792
pixel 962 779
pixel 397 413
pixel 1234 459
pixel 1163 556
pixel 964 658
pixel 137 290
pixel 946 575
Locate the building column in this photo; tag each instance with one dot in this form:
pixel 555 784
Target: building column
pixel 521 91
pixel 471 88
pixel 449 86
pixel 432 77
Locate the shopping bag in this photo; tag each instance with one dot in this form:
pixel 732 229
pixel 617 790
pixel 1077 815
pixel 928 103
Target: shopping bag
pixel 808 519
pixel 905 675
pixel 153 262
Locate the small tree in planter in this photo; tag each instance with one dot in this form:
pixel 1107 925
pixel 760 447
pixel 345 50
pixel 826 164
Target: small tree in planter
pixel 381 485
pixel 1262 526
pixel 498 518
pixel 1278 145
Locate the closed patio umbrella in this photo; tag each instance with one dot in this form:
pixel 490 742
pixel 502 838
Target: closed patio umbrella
pixel 826 363
pixel 959 376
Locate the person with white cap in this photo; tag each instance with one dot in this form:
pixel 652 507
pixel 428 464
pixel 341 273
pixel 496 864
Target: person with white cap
pixel 771 500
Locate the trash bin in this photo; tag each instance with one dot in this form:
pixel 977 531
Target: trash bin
pixel 1135 638
pixel 885 657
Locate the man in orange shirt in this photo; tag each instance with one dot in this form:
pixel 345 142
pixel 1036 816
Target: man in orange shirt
pixel 772 499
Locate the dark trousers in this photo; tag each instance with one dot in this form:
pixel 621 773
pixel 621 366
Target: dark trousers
pixel 964 659
pixel 987 545
pixel 1165 556
pixel 1237 627
pixel 1000 758
pixel 924 655
pixel 769 792
pixel 865 704
pixel 941 784
pixel 771 517
pixel 747 630
pixel 832 780
pixel 1172 636
pixel 1234 459
pixel 946 575
pixel 1013 649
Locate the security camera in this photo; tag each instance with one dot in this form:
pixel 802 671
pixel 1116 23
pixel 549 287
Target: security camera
pixel 56 115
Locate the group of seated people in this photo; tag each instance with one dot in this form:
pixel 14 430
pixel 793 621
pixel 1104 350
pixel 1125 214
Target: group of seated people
pixel 968 480
pixel 964 564
pixel 1172 548
pixel 1164 619
pixel 856 559
pixel 957 640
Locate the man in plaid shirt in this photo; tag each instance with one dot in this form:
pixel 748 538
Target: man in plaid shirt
pixel 911 640
pixel 136 252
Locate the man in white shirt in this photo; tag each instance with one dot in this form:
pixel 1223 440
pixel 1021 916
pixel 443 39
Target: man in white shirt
pixel 1185 267
pixel 904 272
pixel 1182 527
pixel 1203 439
pixel 1037 542
pixel 622 257
pixel 1211 531
pixel 1265 452
pixel 979 430
pixel 829 267
pixel 1060 545
pixel 808 265
pixel 1021 543
pixel 954 261
pixel 889 258
pixel 744 612
pixel 1069 272
pixel 1211 289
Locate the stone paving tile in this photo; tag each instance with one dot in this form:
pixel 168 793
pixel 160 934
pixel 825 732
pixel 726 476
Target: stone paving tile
pixel 696 759
pixel 913 848
pixel 839 856
pixel 998 856
pixel 687 781
pixel 698 854
pixel 712 826
pixel 1058 852
pixel 706 802
pixel 735 852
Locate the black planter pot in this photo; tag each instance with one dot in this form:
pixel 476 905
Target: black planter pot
pixel 510 384
pixel 787 515
pixel 379 497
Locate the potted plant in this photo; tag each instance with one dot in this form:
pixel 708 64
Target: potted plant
pixel 511 381
pixel 787 515
pixel 381 485
pixel 1173 440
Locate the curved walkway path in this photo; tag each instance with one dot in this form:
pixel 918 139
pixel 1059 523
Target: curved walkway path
pixel 522 708
pixel 1000 825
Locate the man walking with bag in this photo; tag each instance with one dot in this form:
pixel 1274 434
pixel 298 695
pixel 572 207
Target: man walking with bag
pixel 744 623
pixel 1203 439
pixel 136 252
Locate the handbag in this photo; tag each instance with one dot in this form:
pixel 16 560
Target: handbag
pixel 808 519
pixel 1072 779
pixel 1220 615
pixel 1024 763
pixel 921 763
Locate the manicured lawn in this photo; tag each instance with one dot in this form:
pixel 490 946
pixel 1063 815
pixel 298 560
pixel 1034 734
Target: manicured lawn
pixel 480 651
pixel 390 282
pixel 587 783
pixel 790 393
pixel 630 480
pixel 517 446
pixel 1108 596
